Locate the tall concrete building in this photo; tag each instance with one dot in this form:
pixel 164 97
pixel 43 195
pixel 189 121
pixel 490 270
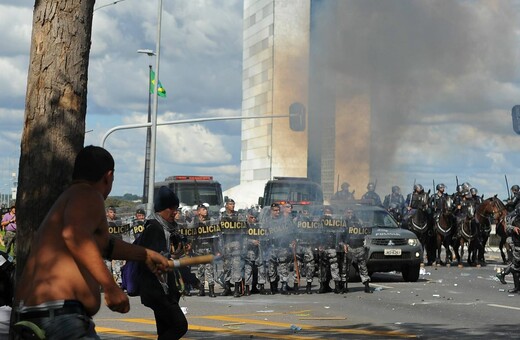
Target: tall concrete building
pixel 286 51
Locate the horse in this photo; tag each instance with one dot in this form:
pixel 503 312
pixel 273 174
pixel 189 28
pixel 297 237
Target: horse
pixel 418 221
pixel 467 229
pixel 490 209
pixel 443 226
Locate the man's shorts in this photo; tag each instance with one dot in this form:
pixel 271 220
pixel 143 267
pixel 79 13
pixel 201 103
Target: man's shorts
pixel 63 319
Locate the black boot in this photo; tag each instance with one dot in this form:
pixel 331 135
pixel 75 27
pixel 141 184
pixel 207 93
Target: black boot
pixel 502 277
pixel 254 289
pixel 322 289
pixel 367 288
pixel 247 292
pixel 345 287
pixel 295 289
pixel 212 291
pixel 237 290
pixel 285 290
pixel 201 290
pixel 227 289
pixel 308 288
pixel 516 280
pixel 337 287
pixel 274 287
pixel 262 290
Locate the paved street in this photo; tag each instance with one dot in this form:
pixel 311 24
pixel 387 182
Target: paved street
pixel 453 303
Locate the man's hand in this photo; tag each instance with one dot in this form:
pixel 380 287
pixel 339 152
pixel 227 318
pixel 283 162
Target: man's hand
pixel 516 230
pixel 156 262
pixel 116 299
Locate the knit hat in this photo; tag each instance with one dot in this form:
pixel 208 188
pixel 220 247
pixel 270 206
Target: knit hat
pixel 164 199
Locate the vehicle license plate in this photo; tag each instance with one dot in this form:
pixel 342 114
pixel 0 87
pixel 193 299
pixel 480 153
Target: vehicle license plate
pixel 393 252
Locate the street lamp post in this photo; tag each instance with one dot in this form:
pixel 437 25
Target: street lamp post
pixel 150 53
pixel 153 120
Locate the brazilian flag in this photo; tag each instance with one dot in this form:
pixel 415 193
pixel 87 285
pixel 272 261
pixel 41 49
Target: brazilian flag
pixel 161 92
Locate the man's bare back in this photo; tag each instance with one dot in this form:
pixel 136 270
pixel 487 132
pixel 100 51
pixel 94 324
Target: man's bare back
pixel 74 227
pixel 66 259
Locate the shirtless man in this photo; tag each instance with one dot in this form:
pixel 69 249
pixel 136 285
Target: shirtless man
pixel 59 290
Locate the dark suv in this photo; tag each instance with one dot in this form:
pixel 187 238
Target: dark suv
pixel 389 247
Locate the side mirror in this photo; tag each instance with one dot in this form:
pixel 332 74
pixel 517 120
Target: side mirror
pixel 261 201
pixel 297 116
pixel 515 114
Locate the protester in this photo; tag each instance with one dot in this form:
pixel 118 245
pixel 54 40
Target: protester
pixel 162 294
pixel 59 289
pixel 9 225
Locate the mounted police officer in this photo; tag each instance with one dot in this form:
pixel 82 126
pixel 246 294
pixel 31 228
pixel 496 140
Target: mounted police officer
pixel 395 203
pixel 371 194
pixel 439 201
pixel 344 194
pixel 514 201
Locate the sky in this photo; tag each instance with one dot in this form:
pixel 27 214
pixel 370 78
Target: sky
pixel 443 75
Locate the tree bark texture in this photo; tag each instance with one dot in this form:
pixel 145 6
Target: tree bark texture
pixel 55 109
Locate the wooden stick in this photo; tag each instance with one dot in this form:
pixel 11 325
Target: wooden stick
pixel 188 261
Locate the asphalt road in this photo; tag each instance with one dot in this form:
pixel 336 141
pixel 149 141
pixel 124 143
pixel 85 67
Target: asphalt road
pixel 446 302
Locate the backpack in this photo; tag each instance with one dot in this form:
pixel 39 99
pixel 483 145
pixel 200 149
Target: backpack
pixel 130 274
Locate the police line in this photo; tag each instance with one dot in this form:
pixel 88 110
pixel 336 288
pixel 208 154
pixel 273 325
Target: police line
pixel 216 228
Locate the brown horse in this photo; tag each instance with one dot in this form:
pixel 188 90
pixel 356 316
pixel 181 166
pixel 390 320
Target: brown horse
pixel 443 226
pixel 491 209
pixel 467 229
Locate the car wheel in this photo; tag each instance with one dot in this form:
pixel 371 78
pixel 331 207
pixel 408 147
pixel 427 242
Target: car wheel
pixel 411 273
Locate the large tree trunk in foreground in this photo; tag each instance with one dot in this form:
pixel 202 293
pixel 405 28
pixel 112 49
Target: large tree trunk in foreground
pixel 55 109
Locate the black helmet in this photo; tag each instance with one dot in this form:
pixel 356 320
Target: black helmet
pixel 440 186
pixel 371 186
pixel 460 188
pixel 345 185
pixel 515 188
pixel 473 191
pixel 418 188
pixel 395 189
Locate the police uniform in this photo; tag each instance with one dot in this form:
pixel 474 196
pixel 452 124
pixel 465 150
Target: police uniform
pixel 357 252
pixel 116 230
pixel 328 257
pixel 254 257
pixel 205 243
pixel 281 234
pixel 232 246
pixel 307 233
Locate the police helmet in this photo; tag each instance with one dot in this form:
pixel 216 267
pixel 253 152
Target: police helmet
pixel 371 186
pixel 460 188
pixel 440 186
pixel 515 188
pixel 473 191
pixel 466 186
pixel 396 189
pixel 418 188
pixel 345 185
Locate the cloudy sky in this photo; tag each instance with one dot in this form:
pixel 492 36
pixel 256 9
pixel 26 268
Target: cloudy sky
pixel 445 73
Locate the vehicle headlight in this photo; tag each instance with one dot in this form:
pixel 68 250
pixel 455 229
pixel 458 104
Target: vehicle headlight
pixel 413 242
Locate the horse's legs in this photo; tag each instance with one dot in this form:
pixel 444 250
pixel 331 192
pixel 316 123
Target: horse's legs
pixel 446 243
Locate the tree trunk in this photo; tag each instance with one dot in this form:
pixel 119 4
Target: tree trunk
pixel 55 109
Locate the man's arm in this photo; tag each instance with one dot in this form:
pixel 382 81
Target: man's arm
pixel 126 251
pixel 85 232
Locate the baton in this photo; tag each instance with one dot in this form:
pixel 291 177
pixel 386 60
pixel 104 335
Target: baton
pixel 188 261
pixel 507 189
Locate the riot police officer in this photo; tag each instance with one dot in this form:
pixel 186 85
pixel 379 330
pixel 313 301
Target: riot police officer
pixel 232 245
pixel 328 255
pixel 439 200
pixel 344 194
pixel 355 250
pixel 395 203
pixel 371 194
pixel 307 232
pixel 204 244
pixel 254 257
pixel 514 201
